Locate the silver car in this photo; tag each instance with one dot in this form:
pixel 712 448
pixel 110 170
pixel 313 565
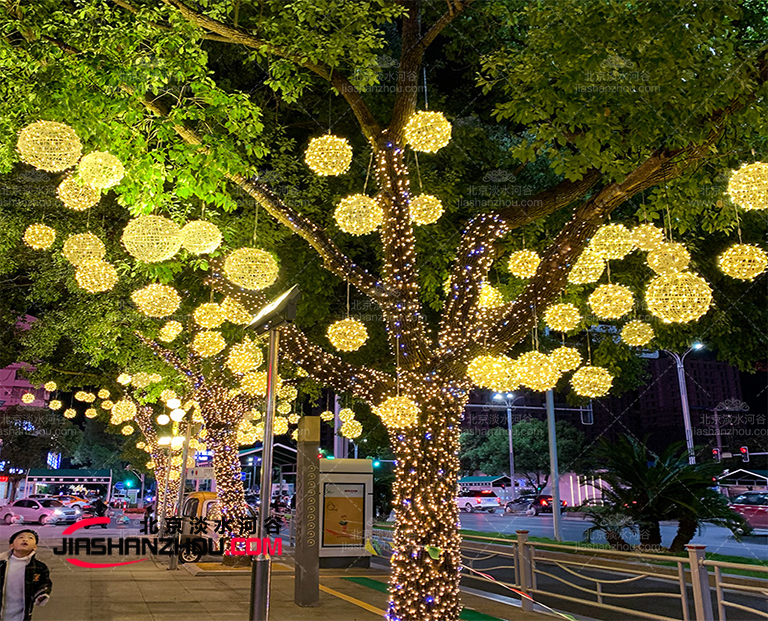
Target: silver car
pixel 478 500
pixel 40 510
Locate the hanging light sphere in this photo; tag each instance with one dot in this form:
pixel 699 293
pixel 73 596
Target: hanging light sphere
pixel 141 445
pixel 127 430
pixel 244 357
pixel 358 214
pixel 328 155
pixel 611 301
pixel 347 334
pixel 294 419
pixel 565 358
pixel 743 261
pixel 96 276
pixel 142 380
pixel 398 412
pixel 537 371
pixel 103 394
pixel 124 410
pixel 101 170
pixel 177 415
pixel 107 405
pixel 163 419
pixel 235 312
pixel 346 414
pixel 427 131
pixel 524 263
pixel 497 373
pixel 70 413
pixel 28 398
pixel 327 415
pixel 170 330
pixel 748 186
pixel 647 237
pixel 86 397
pixel 490 296
pixel 39 236
pixel 283 407
pixel 200 237
pixel 251 268
pixel 209 315
pixel 77 196
pixel 678 297
pixel 592 382
pixel 613 241
pixel 83 247
pixel 668 257
pixel 50 386
pixel 425 209
pixel 255 383
pixel 562 317
pixel 208 343
pixel 55 404
pixel 156 300
pixel 124 379
pixel 91 413
pixel 152 239
pixel 288 392
pixel 49 146
pixel 637 333
pixel 587 269
pixel 351 429
pixel 280 426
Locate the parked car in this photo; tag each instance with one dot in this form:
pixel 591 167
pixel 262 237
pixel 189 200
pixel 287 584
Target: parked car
pixel 478 500
pixel 520 504
pixel 76 502
pixel 753 507
pixel 42 511
pixel 543 504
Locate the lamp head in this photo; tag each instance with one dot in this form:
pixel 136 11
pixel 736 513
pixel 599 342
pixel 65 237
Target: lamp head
pixel 697 346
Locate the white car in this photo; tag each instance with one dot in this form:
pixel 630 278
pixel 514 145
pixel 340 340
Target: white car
pixel 40 510
pixel 478 500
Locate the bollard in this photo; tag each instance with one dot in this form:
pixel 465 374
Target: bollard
pixel 702 600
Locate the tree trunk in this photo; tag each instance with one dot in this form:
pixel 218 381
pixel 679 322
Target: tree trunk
pixel 162 463
pixel 616 541
pixel 686 529
pixel 423 588
pixel 650 533
pixel 222 440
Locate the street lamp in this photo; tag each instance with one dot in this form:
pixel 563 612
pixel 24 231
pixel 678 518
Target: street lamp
pixel 509 399
pixel 679 361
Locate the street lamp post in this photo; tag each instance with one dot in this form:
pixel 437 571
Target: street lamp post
pixel 509 399
pixel 679 362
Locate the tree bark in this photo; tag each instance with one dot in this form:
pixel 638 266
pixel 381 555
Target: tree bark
pixel 686 529
pixel 650 533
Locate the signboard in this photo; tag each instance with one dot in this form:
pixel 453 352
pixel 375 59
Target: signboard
pixel 343 515
pixel 199 473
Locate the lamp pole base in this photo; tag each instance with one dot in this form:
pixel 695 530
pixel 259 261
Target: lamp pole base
pixel 261 573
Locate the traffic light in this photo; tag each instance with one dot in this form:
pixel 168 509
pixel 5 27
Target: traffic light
pixel 376 463
pixel 716 454
pixel 128 483
pixel 744 450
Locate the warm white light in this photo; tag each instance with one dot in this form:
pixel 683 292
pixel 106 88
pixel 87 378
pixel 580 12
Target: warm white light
pixel 163 419
pixel 173 403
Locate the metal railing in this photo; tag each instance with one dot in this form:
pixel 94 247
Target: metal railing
pixel 721 586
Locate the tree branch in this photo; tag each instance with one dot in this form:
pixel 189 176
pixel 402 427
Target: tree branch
pixel 166 355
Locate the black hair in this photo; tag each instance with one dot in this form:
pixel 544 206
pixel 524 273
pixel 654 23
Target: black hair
pixel 26 530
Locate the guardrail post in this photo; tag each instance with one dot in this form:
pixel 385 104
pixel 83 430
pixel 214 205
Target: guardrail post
pixel 523 560
pixel 702 600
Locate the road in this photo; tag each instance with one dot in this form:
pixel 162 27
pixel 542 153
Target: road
pixel 716 539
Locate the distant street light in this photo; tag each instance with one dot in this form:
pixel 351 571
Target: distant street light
pixel 679 361
pixel 509 398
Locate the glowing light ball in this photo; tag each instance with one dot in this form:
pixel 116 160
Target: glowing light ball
pixel 101 170
pixel 283 407
pixel 524 263
pixel 141 445
pixel 50 386
pixel 103 394
pixel 39 236
pixel 86 397
pixel 107 404
pixel 124 379
pixel 427 131
pixel 748 186
pixel 537 371
pixel 294 419
pixel 347 334
pixel 637 333
pixel 156 300
pixel 647 237
pixel 494 372
pixel 255 383
pixel 243 357
pixel 668 257
pixel 565 358
pixel 358 214
pixel 611 301
pixel 288 392
pixel 152 239
pixel 127 430
pixel 169 331
pixel 142 380
pixel 351 429
pixel 613 241
pixel 55 404
pixel 678 297
pixel 83 247
pixel 96 276
pixel 208 343
pixel 328 155
pixel 398 412
pixel 200 237
pixel 592 382
pixel 327 415
pixel 490 297
pixel 77 196
pixel 163 419
pixel 209 315
pixel 280 426
pixel 27 398
pixel 91 413
pixel 251 268
pixel 587 269
pixel 743 261
pixel 425 209
pixel 70 413
pixel 170 395
pixel 562 317
pixel 235 312
pixel 346 414
pixel 49 146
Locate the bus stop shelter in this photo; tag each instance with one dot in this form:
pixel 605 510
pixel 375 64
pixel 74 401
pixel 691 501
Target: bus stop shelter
pixel 38 477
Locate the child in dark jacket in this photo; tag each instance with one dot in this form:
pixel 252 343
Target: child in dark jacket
pixel 25 579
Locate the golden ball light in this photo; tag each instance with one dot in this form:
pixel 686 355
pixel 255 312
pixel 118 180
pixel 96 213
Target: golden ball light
pixel 170 330
pixel 748 186
pixel 124 410
pixel 200 237
pixel 39 236
pixel 209 315
pixel 358 214
pixel 612 241
pixel 497 373
pixel 96 276
pixel 490 296
pixel 127 430
pixel 156 300
pixel 77 196
pixel 50 386
pixel 251 268
pixel 346 414
pixel 637 333
pixel 351 429
pixel 55 404
pixel 243 357
pixel 255 383
pixel 208 343
pixel 83 247
pixel 70 413
pixel 235 312
pixel 647 237
pixel 398 412
pixel 28 398
pixel 280 426
pixel 91 413
pixel 743 261
pixel 103 394
pixel 592 382
pixel 537 371
pixel 524 263
pixel 283 407
pixel 587 269
pixel 678 297
pixel 327 415
pixel 107 405
pixel 151 238
pixel 347 334
pixel 101 170
pixel 562 317
pixel 425 209
pixel 294 418
pixel 427 131
pixel 288 392
pixel 668 257
pixel 49 146
pixel 328 155
pixel 565 358
pixel 611 301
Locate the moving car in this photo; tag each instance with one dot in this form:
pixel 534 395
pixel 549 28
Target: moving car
pixel 42 511
pixel 478 500
pixel 521 504
pixel 753 507
pixel 543 504
pixel 76 502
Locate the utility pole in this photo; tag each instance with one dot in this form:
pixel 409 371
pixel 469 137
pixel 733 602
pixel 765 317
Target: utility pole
pixel 679 362
pixel 554 474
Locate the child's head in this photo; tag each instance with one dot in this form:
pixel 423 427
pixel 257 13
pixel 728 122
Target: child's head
pixel 23 542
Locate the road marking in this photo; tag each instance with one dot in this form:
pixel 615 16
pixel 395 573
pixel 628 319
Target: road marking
pixel 352 600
